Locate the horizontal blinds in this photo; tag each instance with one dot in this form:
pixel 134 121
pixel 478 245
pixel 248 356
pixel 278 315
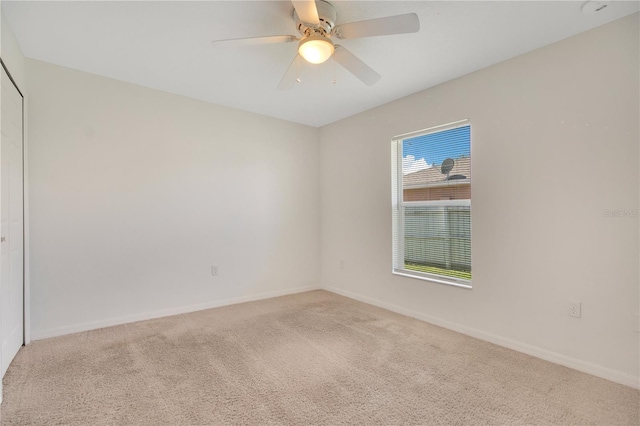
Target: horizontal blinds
pixel 432 214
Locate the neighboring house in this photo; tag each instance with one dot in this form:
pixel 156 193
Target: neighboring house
pixel 431 184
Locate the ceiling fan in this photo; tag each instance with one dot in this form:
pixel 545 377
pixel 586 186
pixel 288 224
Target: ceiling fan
pixel 316 22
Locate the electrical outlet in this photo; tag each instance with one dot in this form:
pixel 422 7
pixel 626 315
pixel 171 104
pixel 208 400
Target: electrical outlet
pixel 214 270
pixel 575 309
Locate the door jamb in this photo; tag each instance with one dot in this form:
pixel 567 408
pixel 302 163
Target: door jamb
pixel 26 287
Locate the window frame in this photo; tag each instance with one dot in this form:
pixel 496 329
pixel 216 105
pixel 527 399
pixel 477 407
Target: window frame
pixel 398 203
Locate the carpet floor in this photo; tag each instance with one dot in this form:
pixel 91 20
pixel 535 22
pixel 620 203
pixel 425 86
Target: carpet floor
pixel 310 358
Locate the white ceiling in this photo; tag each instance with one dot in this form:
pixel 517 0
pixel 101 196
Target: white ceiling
pixel 166 45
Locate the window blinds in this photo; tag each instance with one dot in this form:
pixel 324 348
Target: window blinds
pixel 432 204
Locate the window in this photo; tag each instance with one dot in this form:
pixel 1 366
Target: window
pixel 432 204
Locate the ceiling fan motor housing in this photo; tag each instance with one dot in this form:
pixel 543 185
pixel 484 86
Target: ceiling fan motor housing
pixel 327 15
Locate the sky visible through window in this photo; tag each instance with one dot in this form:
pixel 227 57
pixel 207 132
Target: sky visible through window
pixel 425 151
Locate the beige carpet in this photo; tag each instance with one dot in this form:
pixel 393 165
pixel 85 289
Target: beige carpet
pixel 312 358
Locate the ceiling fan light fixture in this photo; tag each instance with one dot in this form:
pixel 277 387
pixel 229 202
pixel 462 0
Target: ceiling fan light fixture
pixel 316 49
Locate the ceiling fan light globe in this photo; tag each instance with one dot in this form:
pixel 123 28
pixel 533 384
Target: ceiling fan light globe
pixel 316 50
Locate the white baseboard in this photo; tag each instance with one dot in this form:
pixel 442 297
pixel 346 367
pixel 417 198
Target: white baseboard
pixel 93 325
pixel 574 363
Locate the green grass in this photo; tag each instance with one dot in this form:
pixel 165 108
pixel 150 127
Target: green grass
pixel 438 271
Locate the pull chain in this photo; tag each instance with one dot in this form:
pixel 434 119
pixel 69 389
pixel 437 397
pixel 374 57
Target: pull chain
pixel 334 70
pixel 298 66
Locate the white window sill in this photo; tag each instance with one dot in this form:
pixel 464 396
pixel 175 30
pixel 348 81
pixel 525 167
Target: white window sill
pixel 436 279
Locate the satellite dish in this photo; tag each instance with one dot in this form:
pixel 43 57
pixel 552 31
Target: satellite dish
pixel 447 166
pixel 594 6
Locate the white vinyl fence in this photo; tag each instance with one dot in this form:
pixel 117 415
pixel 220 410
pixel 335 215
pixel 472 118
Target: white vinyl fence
pixel 438 236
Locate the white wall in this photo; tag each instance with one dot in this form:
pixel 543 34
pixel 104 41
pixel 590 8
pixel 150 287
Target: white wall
pixel 12 54
pixel 135 193
pixel 555 137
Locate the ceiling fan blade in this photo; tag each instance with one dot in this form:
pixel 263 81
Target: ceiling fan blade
pixel 355 66
pixel 253 41
pixel 307 11
pixel 290 77
pixel 399 24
